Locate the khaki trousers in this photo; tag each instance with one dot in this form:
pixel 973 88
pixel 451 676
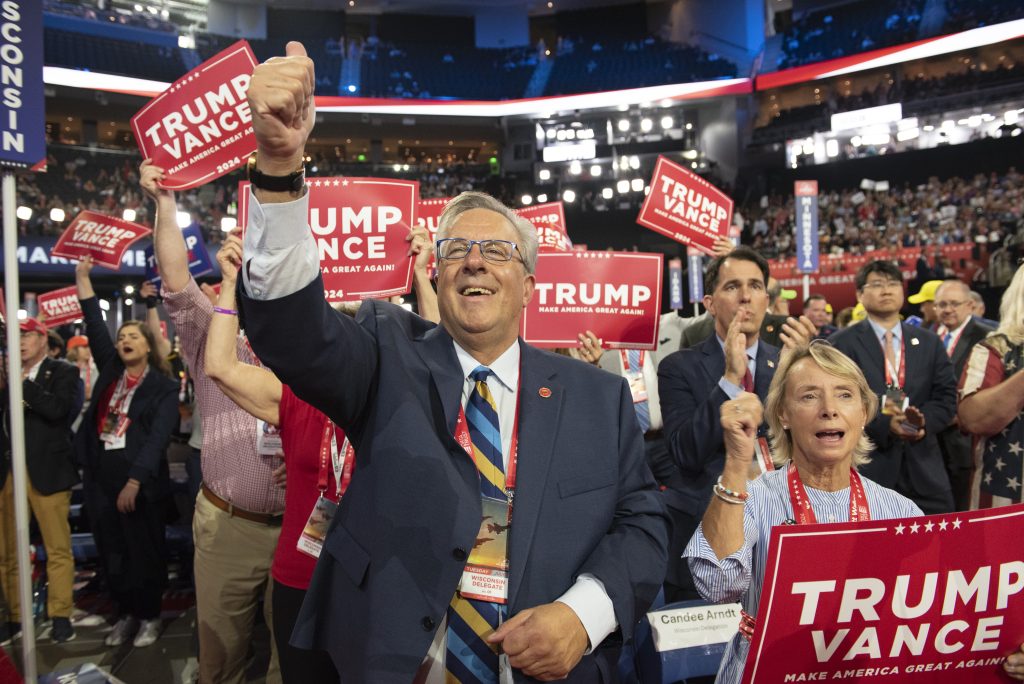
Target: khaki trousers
pixel 51 514
pixel 232 571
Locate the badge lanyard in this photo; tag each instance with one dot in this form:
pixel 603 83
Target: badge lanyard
pixel 464 440
pixel 803 514
pixel 123 393
pixel 625 360
pixel 953 341
pixel 890 373
pixel 483 578
pixel 342 460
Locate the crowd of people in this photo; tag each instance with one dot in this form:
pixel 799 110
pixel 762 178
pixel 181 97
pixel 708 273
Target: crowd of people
pixel 983 209
pixel 361 469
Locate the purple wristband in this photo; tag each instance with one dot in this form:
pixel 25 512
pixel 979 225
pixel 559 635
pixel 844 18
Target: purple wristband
pixel 222 310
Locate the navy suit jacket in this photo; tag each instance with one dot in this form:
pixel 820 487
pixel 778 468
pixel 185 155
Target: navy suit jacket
pixel 153 413
pixel 930 386
pixel 691 403
pixel 585 500
pixel 50 400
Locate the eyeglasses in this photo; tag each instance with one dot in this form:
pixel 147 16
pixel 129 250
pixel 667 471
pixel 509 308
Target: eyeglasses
pixel 882 284
pixel 495 251
pixel 949 305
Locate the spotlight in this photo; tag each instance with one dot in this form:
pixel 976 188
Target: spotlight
pixel 646 125
pixel 666 122
pixel 622 186
pixel 56 215
pixel 637 184
pixel 624 125
pixel 575 168
pixel 595 170
pixel 184 219
pixel 128 214
pixel 544 174
pixel 569 196
pixel 607 193
pixel 526 199
pixel 542 198
pixel 228 224
pixel 24 213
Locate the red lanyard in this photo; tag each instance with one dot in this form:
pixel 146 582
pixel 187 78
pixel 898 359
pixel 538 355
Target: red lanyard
pixel 639 363
pixel 954 340
pixel 902 373
pixel 124 392
pixel 464 440
pixel 348 457
pixel 802 512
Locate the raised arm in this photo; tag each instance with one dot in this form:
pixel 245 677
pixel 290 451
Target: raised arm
pixel 426 298
pixel 147 293
pixel 168 242
pixel 255 390
pixel 102 347
pixel 722 524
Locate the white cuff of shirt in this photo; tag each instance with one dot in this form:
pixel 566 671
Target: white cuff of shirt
pixel 729 388
pixel 589 600
pixel 279 253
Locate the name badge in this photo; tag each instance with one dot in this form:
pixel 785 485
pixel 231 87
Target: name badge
pixel 484 584
pixel 268 438
pixel 311 541
pixel 894 401
pixel 114 429
pixel 485 577
pixel 637 388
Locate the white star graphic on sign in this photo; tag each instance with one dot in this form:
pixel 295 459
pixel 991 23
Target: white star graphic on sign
pixel 956 524
pixel 929 526
pixel 336 182
pixel 899 528
pixel 914 528
pixel 943 525
pixel 1000 463
pixel 988 478
pixel 1015 448
pixel 1013 483
pixel 344 183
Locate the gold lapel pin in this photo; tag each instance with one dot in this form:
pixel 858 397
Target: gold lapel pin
pixel 771 364
pixel 544 392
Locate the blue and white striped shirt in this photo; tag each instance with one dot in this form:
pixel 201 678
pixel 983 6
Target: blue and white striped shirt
pixel 739 577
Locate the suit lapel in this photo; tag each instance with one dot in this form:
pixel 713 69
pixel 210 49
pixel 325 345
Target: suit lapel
pixel 911 346
pixel 872 351
pixel 713 360
pixel 767 359
pixel 539 417
pixel 438 353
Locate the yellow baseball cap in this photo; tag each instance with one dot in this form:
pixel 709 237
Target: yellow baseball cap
pixel 927 293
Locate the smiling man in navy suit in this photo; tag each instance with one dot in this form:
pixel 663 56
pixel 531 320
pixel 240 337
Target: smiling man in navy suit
pixel 908 367
pixel 393 598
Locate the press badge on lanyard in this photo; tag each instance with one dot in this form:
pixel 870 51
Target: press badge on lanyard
pixel 485 577
pixel 635 378
pixel 268 439
pixel 311 541
pixel 115 426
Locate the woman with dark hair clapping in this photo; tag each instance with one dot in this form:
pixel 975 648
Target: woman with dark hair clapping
pixel 122 445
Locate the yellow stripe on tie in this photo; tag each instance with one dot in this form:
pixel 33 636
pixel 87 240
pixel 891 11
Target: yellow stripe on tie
pixel 488 470
pixel 475 620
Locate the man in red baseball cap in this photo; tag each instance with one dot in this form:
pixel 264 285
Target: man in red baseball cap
pixel 51 389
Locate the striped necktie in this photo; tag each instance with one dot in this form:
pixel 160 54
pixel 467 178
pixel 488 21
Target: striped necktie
pixel 469 659
pixel 642 408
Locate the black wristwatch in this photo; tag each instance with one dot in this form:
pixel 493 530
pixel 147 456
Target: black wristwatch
pixel 293 182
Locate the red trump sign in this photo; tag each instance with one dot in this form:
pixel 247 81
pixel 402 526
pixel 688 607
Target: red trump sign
pixel 936 599
pixel 549 220
pixel 104 238
pixel 360 226
pixel 685 207
pixel 200 128
pixel 60 306
pixel 617 295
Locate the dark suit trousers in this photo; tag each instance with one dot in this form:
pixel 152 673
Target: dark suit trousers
pixel 679 584
pixel 130 545
pixel 298 666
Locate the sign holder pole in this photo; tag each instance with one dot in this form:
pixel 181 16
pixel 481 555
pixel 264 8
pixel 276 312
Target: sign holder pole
pixel 807 286
pixel 17 416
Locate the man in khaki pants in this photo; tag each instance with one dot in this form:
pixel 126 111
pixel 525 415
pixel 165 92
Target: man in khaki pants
pixel 52 399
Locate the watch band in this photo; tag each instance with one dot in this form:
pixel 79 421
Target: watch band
pixel 293 182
